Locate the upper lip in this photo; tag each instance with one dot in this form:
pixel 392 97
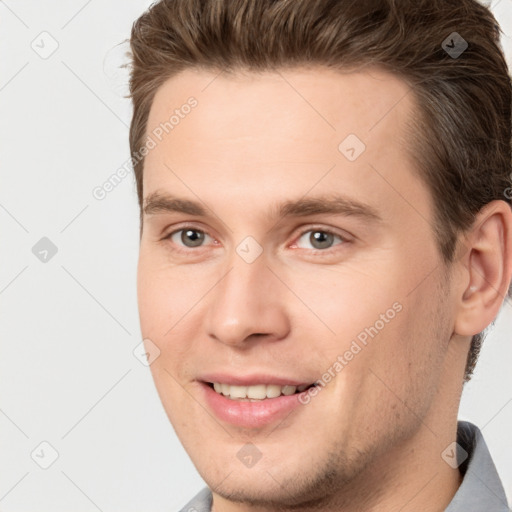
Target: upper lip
pixel 252 379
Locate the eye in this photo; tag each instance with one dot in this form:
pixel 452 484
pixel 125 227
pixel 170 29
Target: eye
pixel 191 237
pixel 188 237
pixel 319 238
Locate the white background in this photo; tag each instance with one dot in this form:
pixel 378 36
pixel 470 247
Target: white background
pixel 69 326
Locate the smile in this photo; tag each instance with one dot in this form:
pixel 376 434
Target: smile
pixel 256 392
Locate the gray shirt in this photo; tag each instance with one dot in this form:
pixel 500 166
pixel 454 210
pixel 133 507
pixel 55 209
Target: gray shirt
pixel 481 489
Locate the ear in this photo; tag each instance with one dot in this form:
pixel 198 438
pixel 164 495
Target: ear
pixel 486 269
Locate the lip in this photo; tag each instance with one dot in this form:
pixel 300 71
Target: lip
pixel 249 414
pixel 252 379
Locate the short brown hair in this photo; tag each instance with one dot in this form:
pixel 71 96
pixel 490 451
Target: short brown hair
pixel 461 140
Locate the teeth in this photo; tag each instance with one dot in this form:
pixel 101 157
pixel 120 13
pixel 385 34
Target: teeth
pixel 238 392
pixel 289 390
pixel 273 391
pixel 257 392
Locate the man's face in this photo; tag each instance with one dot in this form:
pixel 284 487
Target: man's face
pixel 351 297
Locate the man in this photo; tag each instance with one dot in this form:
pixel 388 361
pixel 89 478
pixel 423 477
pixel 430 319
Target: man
pixel 326 232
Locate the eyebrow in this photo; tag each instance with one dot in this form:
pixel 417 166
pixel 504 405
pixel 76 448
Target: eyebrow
pixel 334 204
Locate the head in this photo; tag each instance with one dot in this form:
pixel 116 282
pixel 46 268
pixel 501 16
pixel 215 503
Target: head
pixel 325 197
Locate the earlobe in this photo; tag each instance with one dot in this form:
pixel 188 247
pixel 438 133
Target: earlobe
pixel 487 269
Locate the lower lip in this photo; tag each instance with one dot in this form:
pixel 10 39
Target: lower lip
pixel 250 414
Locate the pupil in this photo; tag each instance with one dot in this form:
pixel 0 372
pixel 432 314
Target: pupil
pixel 195 237
pixel 321 240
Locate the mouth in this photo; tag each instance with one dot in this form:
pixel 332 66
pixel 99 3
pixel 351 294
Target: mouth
pixel 257 392
pixel 255 400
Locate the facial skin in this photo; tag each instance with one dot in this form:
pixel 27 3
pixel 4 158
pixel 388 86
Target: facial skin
pixel 372 438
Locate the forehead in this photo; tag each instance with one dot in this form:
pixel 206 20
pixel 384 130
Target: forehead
pixel 271 129
pixel 369 86
pixel 328 100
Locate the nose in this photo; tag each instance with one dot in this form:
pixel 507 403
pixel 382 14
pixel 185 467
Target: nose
pixel 248 304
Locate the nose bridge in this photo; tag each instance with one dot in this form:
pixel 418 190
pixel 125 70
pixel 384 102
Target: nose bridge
pixel 246 302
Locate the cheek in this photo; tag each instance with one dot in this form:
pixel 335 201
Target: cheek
pixel 407 355
pixel 347 299
pixel 171 302
pixel 394 376
pixel 165 293
pixel 387 334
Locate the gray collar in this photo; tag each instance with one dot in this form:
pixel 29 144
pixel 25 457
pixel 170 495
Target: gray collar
pixel 481 489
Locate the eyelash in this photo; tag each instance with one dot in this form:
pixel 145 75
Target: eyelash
pixel 343 239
